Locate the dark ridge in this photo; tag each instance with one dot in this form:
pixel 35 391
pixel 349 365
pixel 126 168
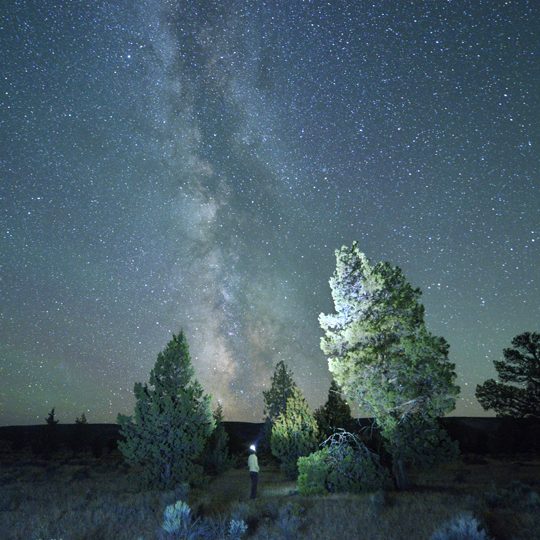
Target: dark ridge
pixel 475 435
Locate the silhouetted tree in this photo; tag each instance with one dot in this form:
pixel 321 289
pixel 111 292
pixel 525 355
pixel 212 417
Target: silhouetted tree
pixel 173 419
pixel 81 419
pixel 334 414
pixel 384 359
pixel 50 436
pixel 294 433
pixel 51 420
pixel 521 368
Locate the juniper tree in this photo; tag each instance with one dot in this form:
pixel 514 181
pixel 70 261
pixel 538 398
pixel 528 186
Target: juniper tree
pixel 275 398
pixel 281 388
pixel 294 433
pixel 521 368
pixel 217 458
pixel 172 420
pixel 335 413
pixel 381 354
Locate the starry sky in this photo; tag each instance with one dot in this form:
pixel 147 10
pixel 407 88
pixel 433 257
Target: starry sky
pixel 177 164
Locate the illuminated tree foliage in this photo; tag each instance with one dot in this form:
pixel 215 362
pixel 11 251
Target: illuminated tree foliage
pixel 172 420
pixel 521 367
pixel 294 433
pixel 334 414
pixel 275 400
pixel 381 354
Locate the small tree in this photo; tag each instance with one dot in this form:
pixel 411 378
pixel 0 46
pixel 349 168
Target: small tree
pixel 81 419
pixel 334 414
pixel 172 421
pixel 294 433
pixel 380 352
pixel 521 368
pixel 217 458
pixel 51 420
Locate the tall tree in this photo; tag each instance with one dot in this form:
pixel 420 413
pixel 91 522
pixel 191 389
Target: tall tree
pixel 294 433
pixel 335 413
pixel 281 389
pixel 521 368
pixel 381 354
pixel 275 400
pixel 172 422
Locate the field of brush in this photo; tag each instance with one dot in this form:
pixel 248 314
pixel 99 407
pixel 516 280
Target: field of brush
pixel 83 497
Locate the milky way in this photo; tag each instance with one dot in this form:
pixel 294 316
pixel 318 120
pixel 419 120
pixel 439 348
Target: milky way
pixel 194 165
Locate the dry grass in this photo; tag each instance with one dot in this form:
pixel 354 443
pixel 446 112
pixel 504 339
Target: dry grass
pixel 101 499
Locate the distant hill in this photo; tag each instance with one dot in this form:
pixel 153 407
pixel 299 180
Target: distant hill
pixel 475 435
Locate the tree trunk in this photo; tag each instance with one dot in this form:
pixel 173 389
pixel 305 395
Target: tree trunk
pixel 399 471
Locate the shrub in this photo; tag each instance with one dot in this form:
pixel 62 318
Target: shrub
pixel 178 524
pixel 313 471
pixel 516 495
pixel 289 521
pixel 344 464
pixel 462 527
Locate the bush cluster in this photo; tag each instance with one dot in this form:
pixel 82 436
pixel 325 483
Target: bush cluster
pixel 344 464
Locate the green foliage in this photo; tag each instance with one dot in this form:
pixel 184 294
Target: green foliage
pixel 172 420
pixel 334 414
pixel 51 420
pixel 521 368
pixel 294 433
pixel 217 458
pixel 313 471
pixel 81 419
pixel 381 354
pixel 344 464
pixel 275 400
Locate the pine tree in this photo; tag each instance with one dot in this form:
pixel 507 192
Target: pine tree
pixel 172 420
pixel 521 367
pixel 294 433
pixel 217 457
pixel 334 414
pixel 381 354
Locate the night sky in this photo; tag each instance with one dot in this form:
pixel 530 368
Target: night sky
pixel 183 164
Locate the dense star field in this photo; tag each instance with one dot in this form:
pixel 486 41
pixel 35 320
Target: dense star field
pixel 169 164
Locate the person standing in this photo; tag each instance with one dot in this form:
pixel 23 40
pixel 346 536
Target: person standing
pixel 253 466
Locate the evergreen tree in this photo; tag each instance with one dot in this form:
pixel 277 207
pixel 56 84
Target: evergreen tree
pixel 281 388
pixel 521 368
pixel 217 457
pixel 381 354
pixel 275 400
pixel 172 420
pixel 294 433
pixel 51 420
pixel 81 419
pixel 334 414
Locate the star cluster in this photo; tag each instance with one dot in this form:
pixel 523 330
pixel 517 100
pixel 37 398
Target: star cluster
pixel 172 164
